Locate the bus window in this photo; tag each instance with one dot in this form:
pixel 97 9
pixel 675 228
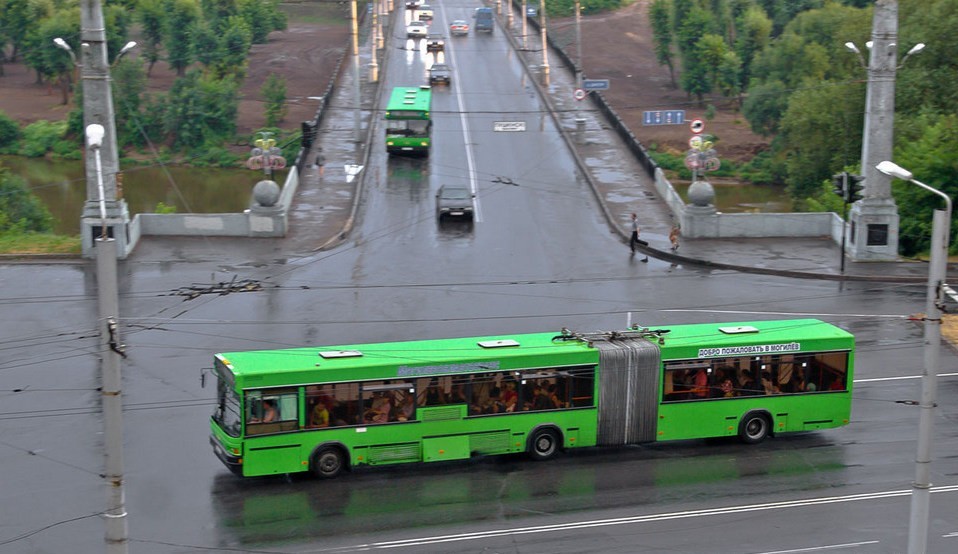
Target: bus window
pixel 385 401
pixel 271 411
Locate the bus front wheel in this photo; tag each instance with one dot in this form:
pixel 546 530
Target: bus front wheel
pixel 328 463
pixel 544 444
pixel 754 428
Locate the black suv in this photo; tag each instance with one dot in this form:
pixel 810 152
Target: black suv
pixel 440 74
pixel 452 201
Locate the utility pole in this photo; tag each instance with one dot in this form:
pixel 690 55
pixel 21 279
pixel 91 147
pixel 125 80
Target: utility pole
pixel 354 34
pixel 545 42
pixel 111 350
pixel 98 109
pixel 374 46
pixel 525 24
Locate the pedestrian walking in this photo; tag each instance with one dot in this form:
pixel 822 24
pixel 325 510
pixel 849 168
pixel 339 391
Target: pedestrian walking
pixel 634 240
pixel 320 162
pixel 674 237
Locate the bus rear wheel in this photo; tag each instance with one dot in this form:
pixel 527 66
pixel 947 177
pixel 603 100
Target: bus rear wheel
pixel 544 444
pixel 754 428
pixel 328 463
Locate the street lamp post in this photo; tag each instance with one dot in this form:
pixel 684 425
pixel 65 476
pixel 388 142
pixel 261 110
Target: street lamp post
pixel 111 350
pixel 940 233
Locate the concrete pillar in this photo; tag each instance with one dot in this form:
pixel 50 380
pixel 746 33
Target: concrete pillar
pixel 874 219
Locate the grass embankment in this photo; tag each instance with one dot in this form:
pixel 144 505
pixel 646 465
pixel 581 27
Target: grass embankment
pixel 39 243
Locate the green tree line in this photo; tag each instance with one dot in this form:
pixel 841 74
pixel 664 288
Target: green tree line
pixel 784 63
pixel 206 42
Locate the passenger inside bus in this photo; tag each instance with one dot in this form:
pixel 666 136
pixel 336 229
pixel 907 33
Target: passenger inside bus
pixel 319 415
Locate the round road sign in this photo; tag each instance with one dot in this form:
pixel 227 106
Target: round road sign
pixel 579 94
pixel 697 126
pixel 696 142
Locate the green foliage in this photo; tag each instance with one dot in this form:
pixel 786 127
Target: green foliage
pixel 38 243
pixel 274 93
pixel 129 87
pixel 200 110
pixel 822 130
pixel 152 17
pixel 20 210
pixel 9 134
pixel 213 156
pixel 662 34
pixel 47 60
pixel 40 136
pixel 163 208
pixel 179 26
pixel 262 17
pixel 930 157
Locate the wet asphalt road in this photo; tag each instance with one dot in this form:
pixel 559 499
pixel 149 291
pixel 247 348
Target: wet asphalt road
pixel 539 257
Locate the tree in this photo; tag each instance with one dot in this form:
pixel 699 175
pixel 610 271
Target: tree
pixel 20 210
pixel 178 33
pixel 262 17
pixel 9 134
pixel 200 109
pixel 822 130
pixel 662 35
pixel 129 86
pixel 46 59
pixel 927 150
pixel 152 17
pixel 755 29
pixel 274 92
pixel 19 18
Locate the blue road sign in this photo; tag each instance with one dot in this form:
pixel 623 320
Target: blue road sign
pixel 595 84
pixel 663 117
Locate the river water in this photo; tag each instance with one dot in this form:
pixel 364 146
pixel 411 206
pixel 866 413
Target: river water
pixel 61 185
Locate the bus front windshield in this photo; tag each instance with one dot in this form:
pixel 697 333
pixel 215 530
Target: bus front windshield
pixel 227 413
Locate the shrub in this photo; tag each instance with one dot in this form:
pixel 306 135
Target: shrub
pixel 39 137
pixel 20 210
pixel 9 134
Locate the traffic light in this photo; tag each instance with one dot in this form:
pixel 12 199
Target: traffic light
pixel 855 188
pixel 838 184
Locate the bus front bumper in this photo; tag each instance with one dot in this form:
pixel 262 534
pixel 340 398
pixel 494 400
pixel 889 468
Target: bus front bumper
pixel 233 463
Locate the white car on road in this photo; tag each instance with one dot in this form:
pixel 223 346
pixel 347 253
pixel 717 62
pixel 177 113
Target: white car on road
pixel 417 29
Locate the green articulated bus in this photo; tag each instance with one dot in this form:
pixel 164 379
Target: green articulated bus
pixel 408 121
pixel 327 409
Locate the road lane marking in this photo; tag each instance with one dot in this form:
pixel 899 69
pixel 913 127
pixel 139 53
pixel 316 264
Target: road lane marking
pixel 631 520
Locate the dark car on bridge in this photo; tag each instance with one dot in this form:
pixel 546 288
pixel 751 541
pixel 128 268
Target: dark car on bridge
pixel 435 42
pixel 440 74
pixel 453 201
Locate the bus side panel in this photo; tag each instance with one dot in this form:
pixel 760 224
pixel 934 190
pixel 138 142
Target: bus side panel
pixel 273 454
pixel 721 417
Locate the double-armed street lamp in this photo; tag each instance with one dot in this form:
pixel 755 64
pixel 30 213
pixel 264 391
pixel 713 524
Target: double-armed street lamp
pixel 940 233
pixel 851 47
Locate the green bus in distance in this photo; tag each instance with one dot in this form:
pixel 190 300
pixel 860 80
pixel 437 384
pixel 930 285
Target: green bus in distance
pixel 327 409
pixel 408 122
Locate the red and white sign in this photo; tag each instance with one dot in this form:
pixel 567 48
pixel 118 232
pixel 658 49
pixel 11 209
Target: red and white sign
pixel 579 94
pixel 697 126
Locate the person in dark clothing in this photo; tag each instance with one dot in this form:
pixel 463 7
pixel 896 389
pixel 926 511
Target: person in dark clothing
pixel 635 237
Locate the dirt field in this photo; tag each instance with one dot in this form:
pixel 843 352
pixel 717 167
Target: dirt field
pixel 616 46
